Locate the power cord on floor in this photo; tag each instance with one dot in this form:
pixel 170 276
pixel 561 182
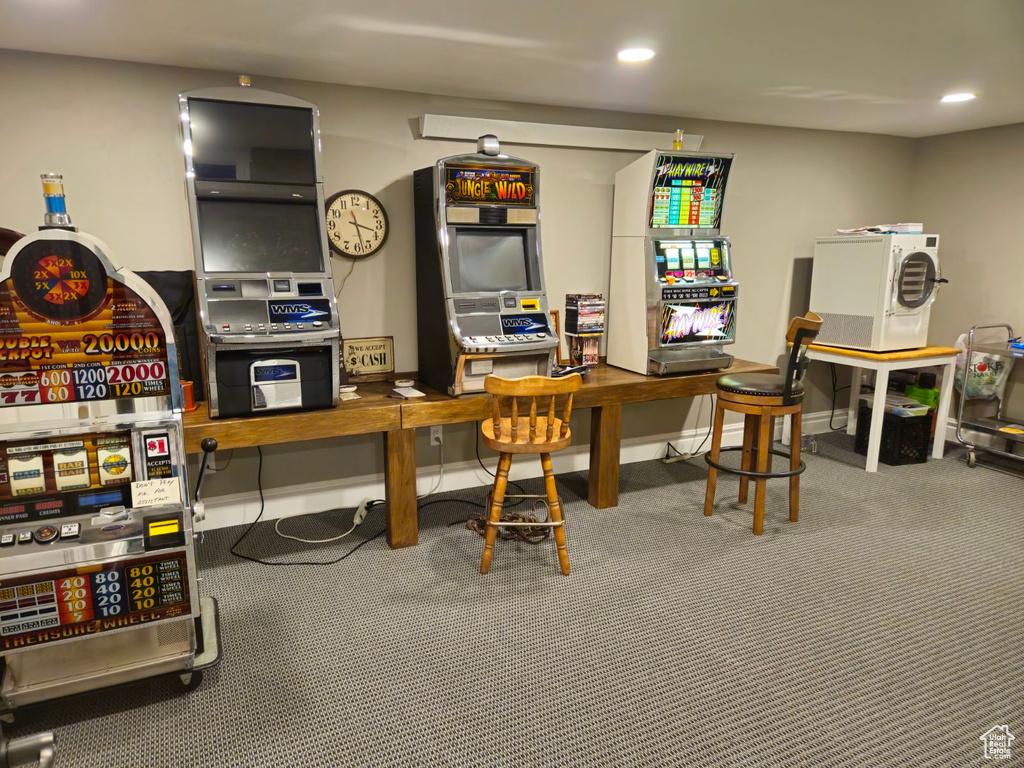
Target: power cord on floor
pixel 357 518
pixel 835 391
pixel 259 486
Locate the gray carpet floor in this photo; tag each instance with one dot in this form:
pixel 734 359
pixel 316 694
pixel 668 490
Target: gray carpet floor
pixel 882 629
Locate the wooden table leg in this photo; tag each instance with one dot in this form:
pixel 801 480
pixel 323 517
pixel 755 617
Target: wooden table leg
pixel 400 488
pixel 605 442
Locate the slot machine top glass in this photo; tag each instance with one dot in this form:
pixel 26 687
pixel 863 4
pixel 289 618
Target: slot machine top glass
pixel 672 297
pixel 97 586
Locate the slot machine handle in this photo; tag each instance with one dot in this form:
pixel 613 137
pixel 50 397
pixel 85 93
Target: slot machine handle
pixel 209 445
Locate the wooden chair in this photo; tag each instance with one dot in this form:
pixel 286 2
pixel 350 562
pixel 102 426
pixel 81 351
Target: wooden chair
pixel 531 433
pixel 761 397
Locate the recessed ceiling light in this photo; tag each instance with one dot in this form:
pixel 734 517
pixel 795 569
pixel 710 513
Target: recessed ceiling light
pixel 633 55
pixel 952 97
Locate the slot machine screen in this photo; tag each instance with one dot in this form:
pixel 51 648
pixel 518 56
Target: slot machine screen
pixel 693 259
pixel 688 192
pixel 492 260
pixel 249 236
pixel 234 141
pixel 59 476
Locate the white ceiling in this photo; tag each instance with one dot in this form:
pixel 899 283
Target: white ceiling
pixel 861 65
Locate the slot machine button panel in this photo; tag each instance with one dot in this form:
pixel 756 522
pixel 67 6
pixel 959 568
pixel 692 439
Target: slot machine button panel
pixel 70 530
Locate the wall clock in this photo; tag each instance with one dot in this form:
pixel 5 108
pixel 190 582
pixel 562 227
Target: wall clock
pixel 357 224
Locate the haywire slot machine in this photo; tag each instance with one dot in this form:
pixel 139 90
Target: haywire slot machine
pixel 97 565
pixel 672 295
pixel 480 298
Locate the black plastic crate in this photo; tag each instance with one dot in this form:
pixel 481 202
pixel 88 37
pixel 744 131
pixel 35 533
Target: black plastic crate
pixel 905 439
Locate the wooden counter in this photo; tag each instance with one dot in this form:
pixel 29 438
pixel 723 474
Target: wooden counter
pixel 374 411
pixel 605 390
pixel 604 385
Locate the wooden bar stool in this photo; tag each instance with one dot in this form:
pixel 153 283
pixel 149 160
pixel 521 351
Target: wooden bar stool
pixel 527 434
pixel 761 397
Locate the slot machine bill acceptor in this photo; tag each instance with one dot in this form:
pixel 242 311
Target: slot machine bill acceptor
pixel 672 295
pixel 266 299
pixel 480 299
pixel 97 565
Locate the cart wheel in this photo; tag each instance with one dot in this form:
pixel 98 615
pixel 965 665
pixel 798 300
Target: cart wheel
pixel 972 459
pixel 191 680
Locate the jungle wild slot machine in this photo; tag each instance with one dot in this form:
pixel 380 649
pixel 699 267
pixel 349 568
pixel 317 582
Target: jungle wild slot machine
pixel 97 565
pixel 480 299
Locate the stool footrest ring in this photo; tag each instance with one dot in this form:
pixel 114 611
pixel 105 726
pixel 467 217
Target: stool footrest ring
pixel 526 524
pixel 752 473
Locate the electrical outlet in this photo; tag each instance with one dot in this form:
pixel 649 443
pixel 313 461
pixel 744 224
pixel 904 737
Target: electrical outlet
pixel 436 436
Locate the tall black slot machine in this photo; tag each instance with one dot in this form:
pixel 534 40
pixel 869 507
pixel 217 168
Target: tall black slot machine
pixel 97 565
pixel 672 295
pixel 270 330
pixel 480 299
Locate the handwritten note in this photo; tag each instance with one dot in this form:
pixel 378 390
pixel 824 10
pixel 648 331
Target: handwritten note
pixel 155 493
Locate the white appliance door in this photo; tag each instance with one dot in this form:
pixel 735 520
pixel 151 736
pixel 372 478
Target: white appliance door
pixel 914 282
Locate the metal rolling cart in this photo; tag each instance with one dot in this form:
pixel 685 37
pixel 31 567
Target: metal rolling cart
pixel 1012 433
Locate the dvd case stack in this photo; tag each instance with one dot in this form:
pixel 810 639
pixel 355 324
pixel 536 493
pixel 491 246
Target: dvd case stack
pixel 584 325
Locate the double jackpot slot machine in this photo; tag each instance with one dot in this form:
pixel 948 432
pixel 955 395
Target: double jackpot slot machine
pixel 97 565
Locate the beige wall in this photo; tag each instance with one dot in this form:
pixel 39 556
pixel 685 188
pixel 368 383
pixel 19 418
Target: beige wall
pixel 969 187
pixel 111 129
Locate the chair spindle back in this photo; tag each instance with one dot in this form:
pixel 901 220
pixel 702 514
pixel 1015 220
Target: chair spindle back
pixel 537 389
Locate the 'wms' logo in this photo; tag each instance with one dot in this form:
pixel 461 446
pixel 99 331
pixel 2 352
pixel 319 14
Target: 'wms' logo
pixel 997 742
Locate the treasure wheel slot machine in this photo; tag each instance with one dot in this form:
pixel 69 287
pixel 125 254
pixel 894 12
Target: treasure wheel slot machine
pixel 97 562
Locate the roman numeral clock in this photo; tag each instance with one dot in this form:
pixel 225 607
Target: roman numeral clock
pixel 357 224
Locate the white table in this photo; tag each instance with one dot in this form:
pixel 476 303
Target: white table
pixel 883 363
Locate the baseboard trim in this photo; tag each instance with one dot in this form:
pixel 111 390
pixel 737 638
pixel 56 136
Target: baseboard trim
pixel 242 508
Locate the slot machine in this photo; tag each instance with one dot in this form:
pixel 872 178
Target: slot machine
pixel 672 295
pixel 268 312
pixel 480 299
pixel 97 564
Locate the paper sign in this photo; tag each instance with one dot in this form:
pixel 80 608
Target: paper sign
pixel 362 356
pixel 155 493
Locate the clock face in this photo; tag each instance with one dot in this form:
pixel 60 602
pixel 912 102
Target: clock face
pixel 357 224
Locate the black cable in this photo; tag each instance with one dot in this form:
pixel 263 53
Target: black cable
pixel 835 391
pixel 252 525
pixel 711 425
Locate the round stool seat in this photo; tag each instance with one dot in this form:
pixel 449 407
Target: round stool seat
pixel 759 385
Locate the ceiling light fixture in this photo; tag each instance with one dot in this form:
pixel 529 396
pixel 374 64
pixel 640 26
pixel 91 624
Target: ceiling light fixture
pixel 633 55
pixel 951 98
